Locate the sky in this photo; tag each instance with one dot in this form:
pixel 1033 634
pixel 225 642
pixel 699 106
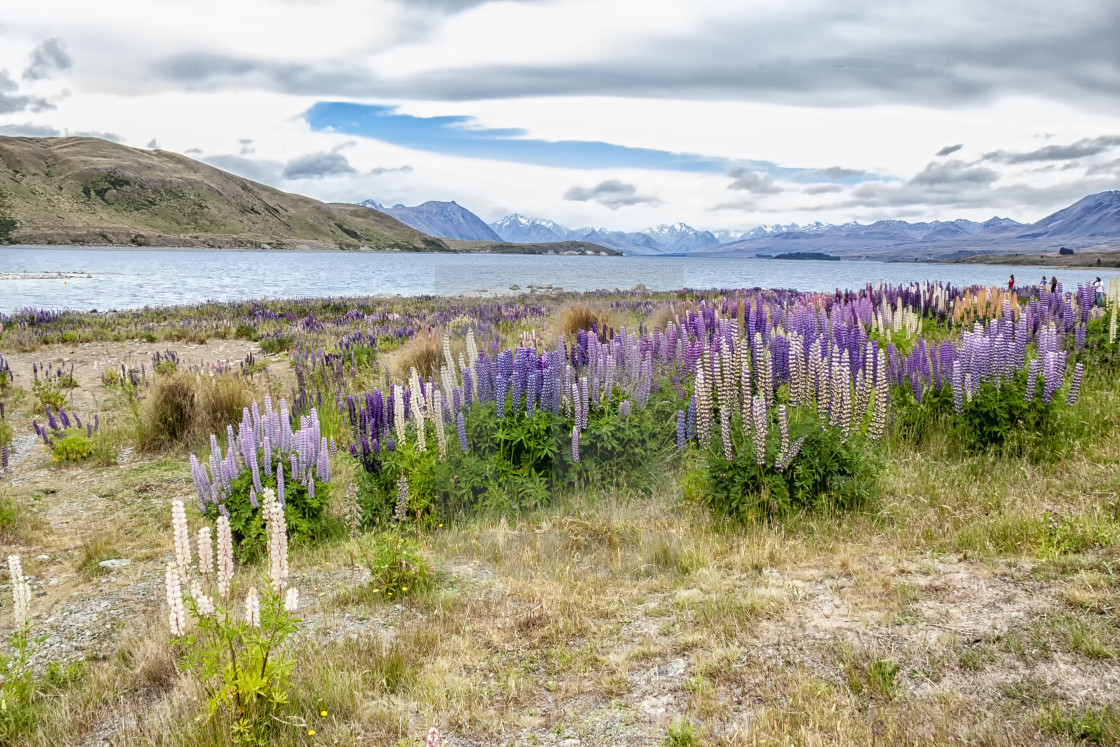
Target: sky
pixel 624 114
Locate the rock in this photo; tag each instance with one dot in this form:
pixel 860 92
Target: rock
pixel 42 557
pixel 829 608
pixel 115 563
pixel 772 573
pixel 514 287
pixel 53 582
pixel 640 287
pixel 675 668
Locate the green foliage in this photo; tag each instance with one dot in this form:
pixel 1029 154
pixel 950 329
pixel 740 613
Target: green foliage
pixel 913 422
pixel 18 692
pixel 1101 357
pixel 5 432
pixel 396 566
pixel 829 473
pixel 166 367
pixel 10 513
pixel 1089 726
pixel 72 447
pixel 244 670
pixel 999 418
pixel 8 224
pixel 48 394
pixel 516 462
pixel 305 514
pixel 276 343
pixel 1069 535
pixel 682 733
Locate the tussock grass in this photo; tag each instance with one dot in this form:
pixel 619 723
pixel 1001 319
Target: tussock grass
pixel 577 316
pixel 182 409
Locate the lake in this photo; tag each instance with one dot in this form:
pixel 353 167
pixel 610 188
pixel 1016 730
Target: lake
pixel 96 278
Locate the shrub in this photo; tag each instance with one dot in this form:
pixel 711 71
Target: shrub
pixel 580 317
pixel 276 343
pixel 396 566
pixel 913 421
pixel 168 413
pixel 827 471
pixel 73 447
pixel 424 353
pixel 999 416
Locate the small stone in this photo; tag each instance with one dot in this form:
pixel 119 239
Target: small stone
pixel 674 668
pixel 43 557
pixel 829 608
pixel 53 582
pixel 115 563
pixel 514 287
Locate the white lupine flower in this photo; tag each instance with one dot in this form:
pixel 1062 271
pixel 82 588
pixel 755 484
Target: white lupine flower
pixel 205 552
pixel 225 556
pixel 182 538
pixel 291 601
pixel 252 608
pixel 21 592
pixel 205 603
pixel 176 614
pixel 277 532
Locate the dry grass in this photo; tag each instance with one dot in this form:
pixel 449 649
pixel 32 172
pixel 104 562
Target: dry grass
pixel 577 316
pixel 424 352
pixel 182 409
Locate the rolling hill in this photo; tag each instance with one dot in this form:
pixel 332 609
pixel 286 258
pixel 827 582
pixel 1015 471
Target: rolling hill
pixel 93 192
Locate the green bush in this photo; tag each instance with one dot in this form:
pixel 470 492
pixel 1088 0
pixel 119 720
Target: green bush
pixel 830 472
pixel 396 566
pixel 72 447
pixel 305 514
pixel 914 422
pixel 1000 418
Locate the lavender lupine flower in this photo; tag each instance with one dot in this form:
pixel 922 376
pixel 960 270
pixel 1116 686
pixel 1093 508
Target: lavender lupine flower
pixel 690 432
pixel 3 460
pixel 786 459
pixel 624 408
pixel 461 425
pixel 958 388
pixel 1034 368
pixel 681 430
pixel 280 485
pixel 725 433
pixel 575 444
pixel 1075 385
pixel 402 499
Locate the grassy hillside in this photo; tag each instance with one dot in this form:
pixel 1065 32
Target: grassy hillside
pixel 551 247
pixel 90 191
pixel 1052 259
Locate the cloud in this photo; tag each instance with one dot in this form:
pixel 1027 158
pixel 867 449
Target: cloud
pixel 611 193
pixel 1089 146
pixel 863 52
pixel 48 58
pixel 390 170
pixel 28 130
pixel 949 150
pixel 462 136
pixel 755 182
pixel 821 189
pixel 318 166
pixel 12 102
pixel 265 172
pixel 953 173
pixel 838 172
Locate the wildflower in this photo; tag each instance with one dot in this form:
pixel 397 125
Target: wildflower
pixel 433 738
pixel 402 498
pixel 291 603
pixel 575 443
pixel 725 433
pixel 182 538
pixel 21 592
pixel 1075 385
pixel 276 530
pixel 205 552
pixel 310 732
pixel 176 614
pixel 323 714
pixel 252 608
pixel 225 556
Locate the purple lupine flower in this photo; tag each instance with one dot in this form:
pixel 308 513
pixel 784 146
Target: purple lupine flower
pixel 624 408
pixel 1033 370
pixel 691 430
pixel 575 443
pixel 725 433
pixel 280 485
pixel 761 425
pixel 681 430
pixel 3 459
pixel 461 425
pixel 783 429
pixel 253 498
pixel 1075 385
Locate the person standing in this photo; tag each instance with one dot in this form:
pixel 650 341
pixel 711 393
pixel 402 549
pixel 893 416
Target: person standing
pixel 1053 283
pixel 1011 285
pixel 1098 288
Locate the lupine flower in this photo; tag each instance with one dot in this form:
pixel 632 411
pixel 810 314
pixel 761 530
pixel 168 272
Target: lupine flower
pixel 1075 385
pixel 402 498
pixel 176 614
pixel 252 608
pixel 225 556
pixel 624 408
pixel 276 530
pixel 681 426
pixel 291 600
pixel 725 433
pixel 761 425
pixel 21 592
pixel 205 552
pixel 461 425
pixel 575 444
pixel 182 538
pixel 783 429
pixel 433 739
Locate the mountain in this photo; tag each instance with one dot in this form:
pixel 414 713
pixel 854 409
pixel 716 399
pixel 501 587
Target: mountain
pixel 448 220
pixel 518 229
pixel 680 238
pixel 1095 216
pixel 94 192
pixel 630 243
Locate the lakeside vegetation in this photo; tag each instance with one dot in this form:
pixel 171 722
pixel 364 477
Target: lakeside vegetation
pixel 735 517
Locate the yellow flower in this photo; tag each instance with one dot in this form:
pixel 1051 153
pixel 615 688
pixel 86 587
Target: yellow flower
pixel 404 588
pixel 310 732
pixel 323 714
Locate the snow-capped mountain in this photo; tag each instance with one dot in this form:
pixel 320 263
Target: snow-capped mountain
pixel 679 238
pixel 518 229
pixel 447 220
